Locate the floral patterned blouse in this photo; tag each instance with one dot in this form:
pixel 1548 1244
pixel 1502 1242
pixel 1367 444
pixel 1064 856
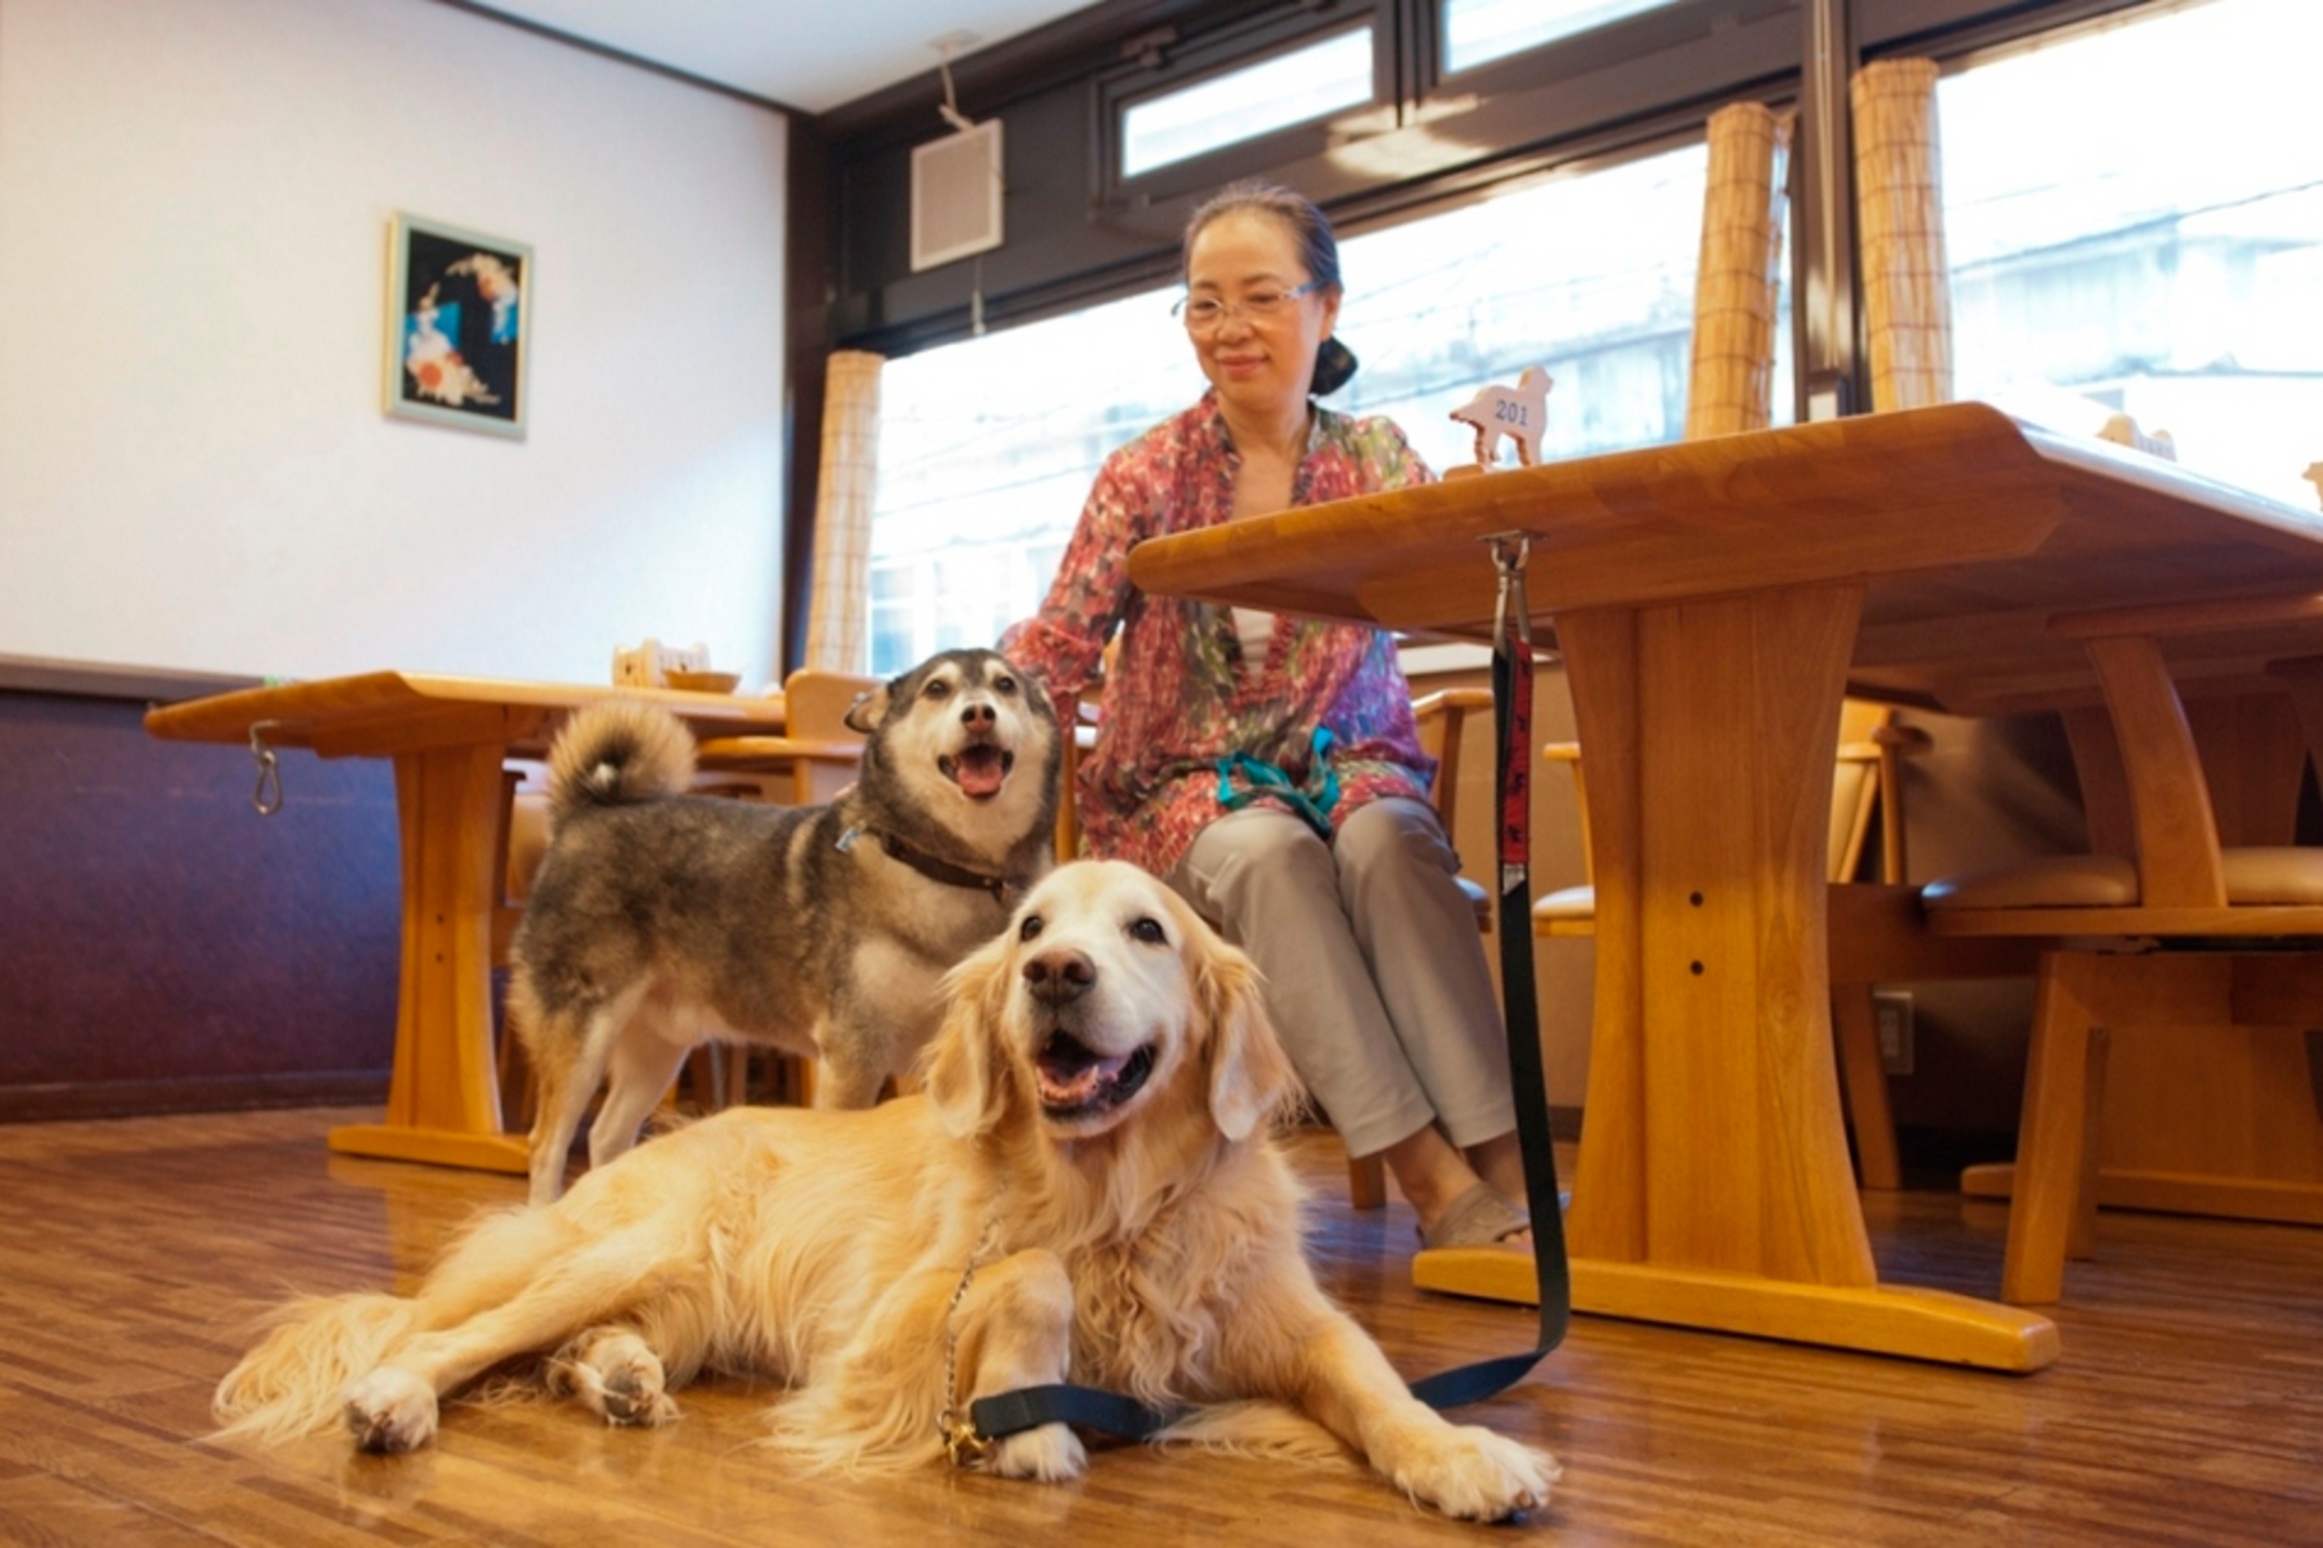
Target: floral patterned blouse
pixel 1182 695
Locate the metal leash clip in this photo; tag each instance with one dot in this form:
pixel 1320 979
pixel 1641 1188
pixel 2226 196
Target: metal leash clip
pixel 267 797
pixel 963 1443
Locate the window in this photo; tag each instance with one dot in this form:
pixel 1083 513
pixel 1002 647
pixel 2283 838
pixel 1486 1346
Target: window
pixel 1289 88
pixel 2134 220
pixel 1477 32
pixel 986 451
pixel 1589 275
pixel 988 447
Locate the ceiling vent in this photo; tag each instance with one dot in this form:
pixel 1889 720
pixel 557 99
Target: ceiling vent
pixel 955 195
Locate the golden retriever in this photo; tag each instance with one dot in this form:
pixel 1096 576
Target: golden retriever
pixel 1086 1190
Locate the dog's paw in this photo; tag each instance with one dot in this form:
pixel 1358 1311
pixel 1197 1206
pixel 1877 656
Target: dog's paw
pixel 391 1410
pixel 1050 1453
pixel 1476 1475
pixel 617 1377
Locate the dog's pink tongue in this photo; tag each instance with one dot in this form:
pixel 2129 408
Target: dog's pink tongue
pixel 979 772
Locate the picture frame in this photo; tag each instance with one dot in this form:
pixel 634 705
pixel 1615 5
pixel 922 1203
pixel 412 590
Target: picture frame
pixel 459 326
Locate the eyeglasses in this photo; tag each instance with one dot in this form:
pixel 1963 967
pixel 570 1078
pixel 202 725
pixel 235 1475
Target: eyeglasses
pixel 1204 314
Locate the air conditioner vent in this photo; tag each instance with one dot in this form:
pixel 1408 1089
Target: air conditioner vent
pixel 955 196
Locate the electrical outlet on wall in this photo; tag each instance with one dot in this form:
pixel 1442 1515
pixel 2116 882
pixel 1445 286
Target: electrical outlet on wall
pixel 1891 1011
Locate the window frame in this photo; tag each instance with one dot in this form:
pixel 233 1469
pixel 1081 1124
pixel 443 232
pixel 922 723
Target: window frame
pixel 1172 68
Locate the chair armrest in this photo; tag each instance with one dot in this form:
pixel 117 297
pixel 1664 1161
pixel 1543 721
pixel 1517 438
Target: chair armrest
pixel 1449 708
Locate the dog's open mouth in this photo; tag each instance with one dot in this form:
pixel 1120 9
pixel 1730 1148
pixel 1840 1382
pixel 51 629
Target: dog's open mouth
pixel 980 769
pixel 1075 1082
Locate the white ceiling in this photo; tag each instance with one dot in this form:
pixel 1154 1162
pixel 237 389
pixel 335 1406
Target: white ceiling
pixel 808 54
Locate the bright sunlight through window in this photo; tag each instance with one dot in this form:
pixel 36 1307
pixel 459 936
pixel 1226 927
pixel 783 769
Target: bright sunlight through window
pixel 2110 256
pixel 1479 31
pixel 988 447
pixel 1275 93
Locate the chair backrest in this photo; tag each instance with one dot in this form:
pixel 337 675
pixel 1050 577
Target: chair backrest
pixel 815 703
pixel 1077 718
pixel 814 714
pixel 1866 782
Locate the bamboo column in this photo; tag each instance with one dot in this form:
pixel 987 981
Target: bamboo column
pixel 1730 385
pixel 1900 218
pixel 837 616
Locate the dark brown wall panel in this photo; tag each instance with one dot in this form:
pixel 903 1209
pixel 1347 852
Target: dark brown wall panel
pixel 161 945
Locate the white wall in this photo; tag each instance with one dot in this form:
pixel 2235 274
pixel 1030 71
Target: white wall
pixel 195 470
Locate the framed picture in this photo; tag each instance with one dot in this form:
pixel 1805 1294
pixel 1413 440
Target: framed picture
pixel 459 326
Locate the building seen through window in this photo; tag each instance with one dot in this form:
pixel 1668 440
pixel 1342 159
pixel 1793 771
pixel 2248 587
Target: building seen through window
pixel 2134 220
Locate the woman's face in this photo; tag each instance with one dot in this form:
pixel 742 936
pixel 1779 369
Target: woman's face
pixel 1259 362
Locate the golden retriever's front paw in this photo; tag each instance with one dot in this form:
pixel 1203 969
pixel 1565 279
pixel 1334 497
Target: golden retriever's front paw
pixel 1051 1454
pixel 391 1410
pixel 1476 1475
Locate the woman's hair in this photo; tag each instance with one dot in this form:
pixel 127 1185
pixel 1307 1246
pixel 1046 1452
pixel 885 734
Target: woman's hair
pixel 1318 249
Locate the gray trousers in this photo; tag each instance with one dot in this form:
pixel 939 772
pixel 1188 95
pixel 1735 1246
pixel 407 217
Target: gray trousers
pixel 1375 971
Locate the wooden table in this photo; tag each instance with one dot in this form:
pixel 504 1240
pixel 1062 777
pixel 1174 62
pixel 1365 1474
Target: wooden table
pixel 450 738
pixel 1713 600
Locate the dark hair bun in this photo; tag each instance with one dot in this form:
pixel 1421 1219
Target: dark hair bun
pixel 1334 368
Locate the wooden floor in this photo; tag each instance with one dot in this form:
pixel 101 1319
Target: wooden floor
pixel 2188 1406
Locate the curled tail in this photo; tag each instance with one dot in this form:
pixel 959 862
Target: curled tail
pixel 616 752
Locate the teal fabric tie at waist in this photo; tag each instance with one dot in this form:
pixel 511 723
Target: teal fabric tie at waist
pixel 1312 800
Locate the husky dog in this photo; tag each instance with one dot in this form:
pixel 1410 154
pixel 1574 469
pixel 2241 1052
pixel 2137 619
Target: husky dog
pixel 659 921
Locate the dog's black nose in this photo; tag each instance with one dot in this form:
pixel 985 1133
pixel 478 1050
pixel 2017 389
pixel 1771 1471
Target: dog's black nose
pixel 1056 977
pixel 977 714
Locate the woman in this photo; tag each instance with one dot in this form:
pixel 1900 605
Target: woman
pixel 1268 767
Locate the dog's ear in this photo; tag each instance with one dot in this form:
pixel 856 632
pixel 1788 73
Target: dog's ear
pixel 1036 687
pixel 963 1066
pixel 1250 1075
pixel 868 710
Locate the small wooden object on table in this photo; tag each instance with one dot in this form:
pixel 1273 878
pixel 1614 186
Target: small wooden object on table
pixel 1516 415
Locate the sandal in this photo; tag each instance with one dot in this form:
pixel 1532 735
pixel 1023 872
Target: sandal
pixel 1477 1218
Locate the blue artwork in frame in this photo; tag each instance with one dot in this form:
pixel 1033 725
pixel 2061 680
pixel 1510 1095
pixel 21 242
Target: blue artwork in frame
pixel 459 312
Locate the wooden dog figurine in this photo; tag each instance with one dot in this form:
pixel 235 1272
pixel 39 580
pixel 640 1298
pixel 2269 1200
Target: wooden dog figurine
pixel 1518 414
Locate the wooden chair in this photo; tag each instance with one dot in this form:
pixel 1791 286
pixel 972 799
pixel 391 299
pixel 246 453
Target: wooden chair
pixel 818 751
pixel 1443 721
pixel 1867 783
pixel 2216 949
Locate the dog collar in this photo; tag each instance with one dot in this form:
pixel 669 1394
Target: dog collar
pixel 930 866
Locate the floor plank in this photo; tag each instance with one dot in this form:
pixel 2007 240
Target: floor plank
pixel 2187 1408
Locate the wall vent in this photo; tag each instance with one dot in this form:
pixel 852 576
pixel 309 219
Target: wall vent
pixel 955 196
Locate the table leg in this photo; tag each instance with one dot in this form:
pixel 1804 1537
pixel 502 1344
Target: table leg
pixel 443 1105
pixel 1714 1188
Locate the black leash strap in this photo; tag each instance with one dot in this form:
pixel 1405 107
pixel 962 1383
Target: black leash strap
pixel 1512 712
pixel 1007 1413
